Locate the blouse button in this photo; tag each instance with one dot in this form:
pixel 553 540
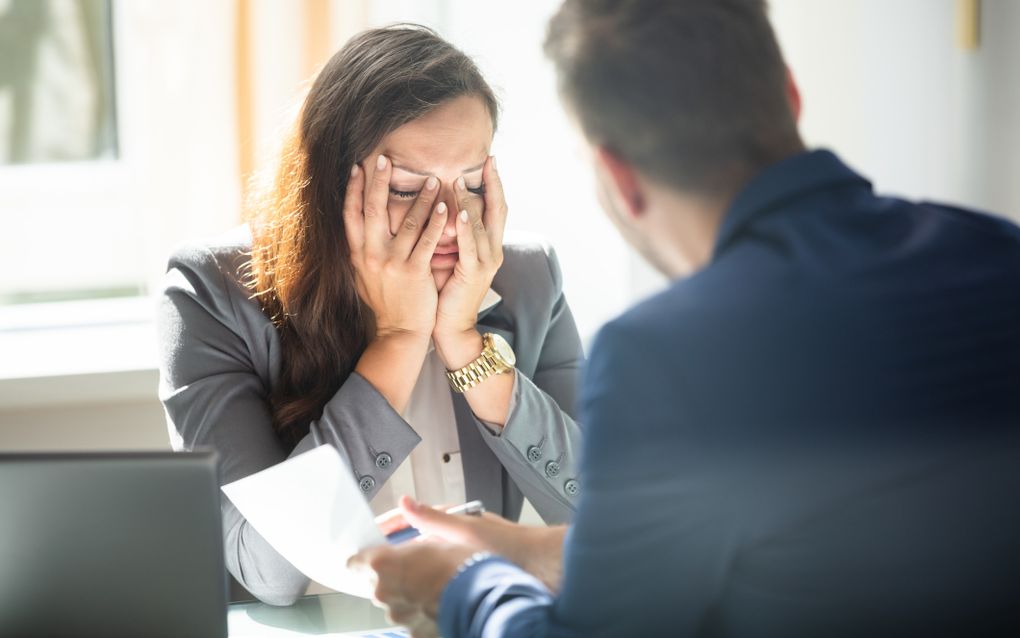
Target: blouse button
pixel 571 487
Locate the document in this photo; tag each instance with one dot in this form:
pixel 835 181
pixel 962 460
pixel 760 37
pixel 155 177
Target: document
pixel 310 509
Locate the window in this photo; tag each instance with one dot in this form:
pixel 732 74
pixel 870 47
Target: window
pixel 118 142
pixel 57 112
pixel 56 82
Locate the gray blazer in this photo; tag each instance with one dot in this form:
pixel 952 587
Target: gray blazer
pixel 220 356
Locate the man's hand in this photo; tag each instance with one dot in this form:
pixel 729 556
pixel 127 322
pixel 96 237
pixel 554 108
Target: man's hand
pixel 536 550
pixel 410 578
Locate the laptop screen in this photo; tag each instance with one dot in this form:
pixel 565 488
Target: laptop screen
pixel 118 544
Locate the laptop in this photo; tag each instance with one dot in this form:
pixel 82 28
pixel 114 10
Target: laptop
pixel 111 544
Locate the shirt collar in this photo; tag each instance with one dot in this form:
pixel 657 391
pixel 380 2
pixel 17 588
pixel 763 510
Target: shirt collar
pixel 781 183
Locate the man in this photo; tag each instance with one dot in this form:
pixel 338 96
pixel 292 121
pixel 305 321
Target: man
pixel 812 432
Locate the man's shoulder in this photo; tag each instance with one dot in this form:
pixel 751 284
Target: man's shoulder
pixel 675 310
pixel 650 333
pixel 985 226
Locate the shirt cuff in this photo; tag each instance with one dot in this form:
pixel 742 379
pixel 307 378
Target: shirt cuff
pixel 494 596
pixel 464 592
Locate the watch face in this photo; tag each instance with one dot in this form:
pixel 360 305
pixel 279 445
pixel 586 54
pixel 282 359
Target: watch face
pixel 503 349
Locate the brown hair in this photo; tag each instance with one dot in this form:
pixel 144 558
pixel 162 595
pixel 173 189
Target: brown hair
pixel 300 268
pixel 692 92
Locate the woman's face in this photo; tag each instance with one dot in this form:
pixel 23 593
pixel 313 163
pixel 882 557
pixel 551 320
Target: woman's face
pixel 449 142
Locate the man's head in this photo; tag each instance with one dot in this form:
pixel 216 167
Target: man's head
pixel 682 102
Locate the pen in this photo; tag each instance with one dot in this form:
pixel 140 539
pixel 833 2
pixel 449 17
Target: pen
pixel 471 508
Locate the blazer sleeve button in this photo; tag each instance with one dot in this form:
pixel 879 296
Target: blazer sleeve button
pixel 366 483
pixel 571 487
pixel 534 454
pixel 552 469
pixel 383 461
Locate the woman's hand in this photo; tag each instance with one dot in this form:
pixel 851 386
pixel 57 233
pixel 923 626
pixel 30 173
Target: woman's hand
pixel 480 227
pixel 393 274
pixel 394 279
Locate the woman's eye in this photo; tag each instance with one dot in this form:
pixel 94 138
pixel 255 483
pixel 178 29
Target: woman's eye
pixel 403 194
pixel 479 190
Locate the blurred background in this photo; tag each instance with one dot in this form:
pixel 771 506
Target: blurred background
pixel 129 126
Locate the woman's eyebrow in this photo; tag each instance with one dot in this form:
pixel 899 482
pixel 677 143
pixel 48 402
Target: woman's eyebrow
pixel 409 170
pixel 423 174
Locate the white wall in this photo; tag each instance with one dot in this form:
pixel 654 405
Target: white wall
pixel 885 85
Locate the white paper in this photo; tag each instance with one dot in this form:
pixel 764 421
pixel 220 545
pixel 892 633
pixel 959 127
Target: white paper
pixel 310 510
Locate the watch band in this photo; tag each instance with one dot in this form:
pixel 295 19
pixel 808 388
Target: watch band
pixel 485 366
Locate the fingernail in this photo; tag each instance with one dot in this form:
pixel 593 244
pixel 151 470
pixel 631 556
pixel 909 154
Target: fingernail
pixel 460 183
pixel 431 183
pixel 492 158
pixel 380 163
pixel 441 209
pixel 463 216
pixel 354 171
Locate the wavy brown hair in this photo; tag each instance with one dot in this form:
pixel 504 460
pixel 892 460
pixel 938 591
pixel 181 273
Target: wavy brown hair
pixel 300 268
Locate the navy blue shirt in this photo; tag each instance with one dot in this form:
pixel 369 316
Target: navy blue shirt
pixel 816 434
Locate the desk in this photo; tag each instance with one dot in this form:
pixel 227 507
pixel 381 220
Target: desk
pixel 323 615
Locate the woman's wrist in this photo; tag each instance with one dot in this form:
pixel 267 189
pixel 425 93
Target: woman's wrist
pixel 458 348
pixel 391 363
pixel 490 400
pixel 402 335
pixel 397 345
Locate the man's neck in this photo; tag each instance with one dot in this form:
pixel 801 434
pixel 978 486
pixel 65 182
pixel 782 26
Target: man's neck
pixel 688 226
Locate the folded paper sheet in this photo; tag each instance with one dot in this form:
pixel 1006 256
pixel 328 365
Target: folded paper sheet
pixel 310 510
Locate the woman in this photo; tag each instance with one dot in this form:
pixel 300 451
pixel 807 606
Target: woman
pixel 373 267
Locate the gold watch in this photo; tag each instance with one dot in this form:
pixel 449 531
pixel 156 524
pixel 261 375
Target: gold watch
pixel 497 357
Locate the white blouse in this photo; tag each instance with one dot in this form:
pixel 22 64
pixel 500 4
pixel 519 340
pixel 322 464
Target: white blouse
pixel 433 473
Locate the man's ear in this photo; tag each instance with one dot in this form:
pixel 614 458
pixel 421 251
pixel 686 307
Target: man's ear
pixel 793 94
pixel 624 179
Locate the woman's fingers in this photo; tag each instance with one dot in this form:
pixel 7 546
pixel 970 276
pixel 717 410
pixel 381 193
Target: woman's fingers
pixel 416 218
pixel 430 237
pixel 472 241
pixel 354 216
pixel 467 247
pixel 377 195
pixel 495 202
